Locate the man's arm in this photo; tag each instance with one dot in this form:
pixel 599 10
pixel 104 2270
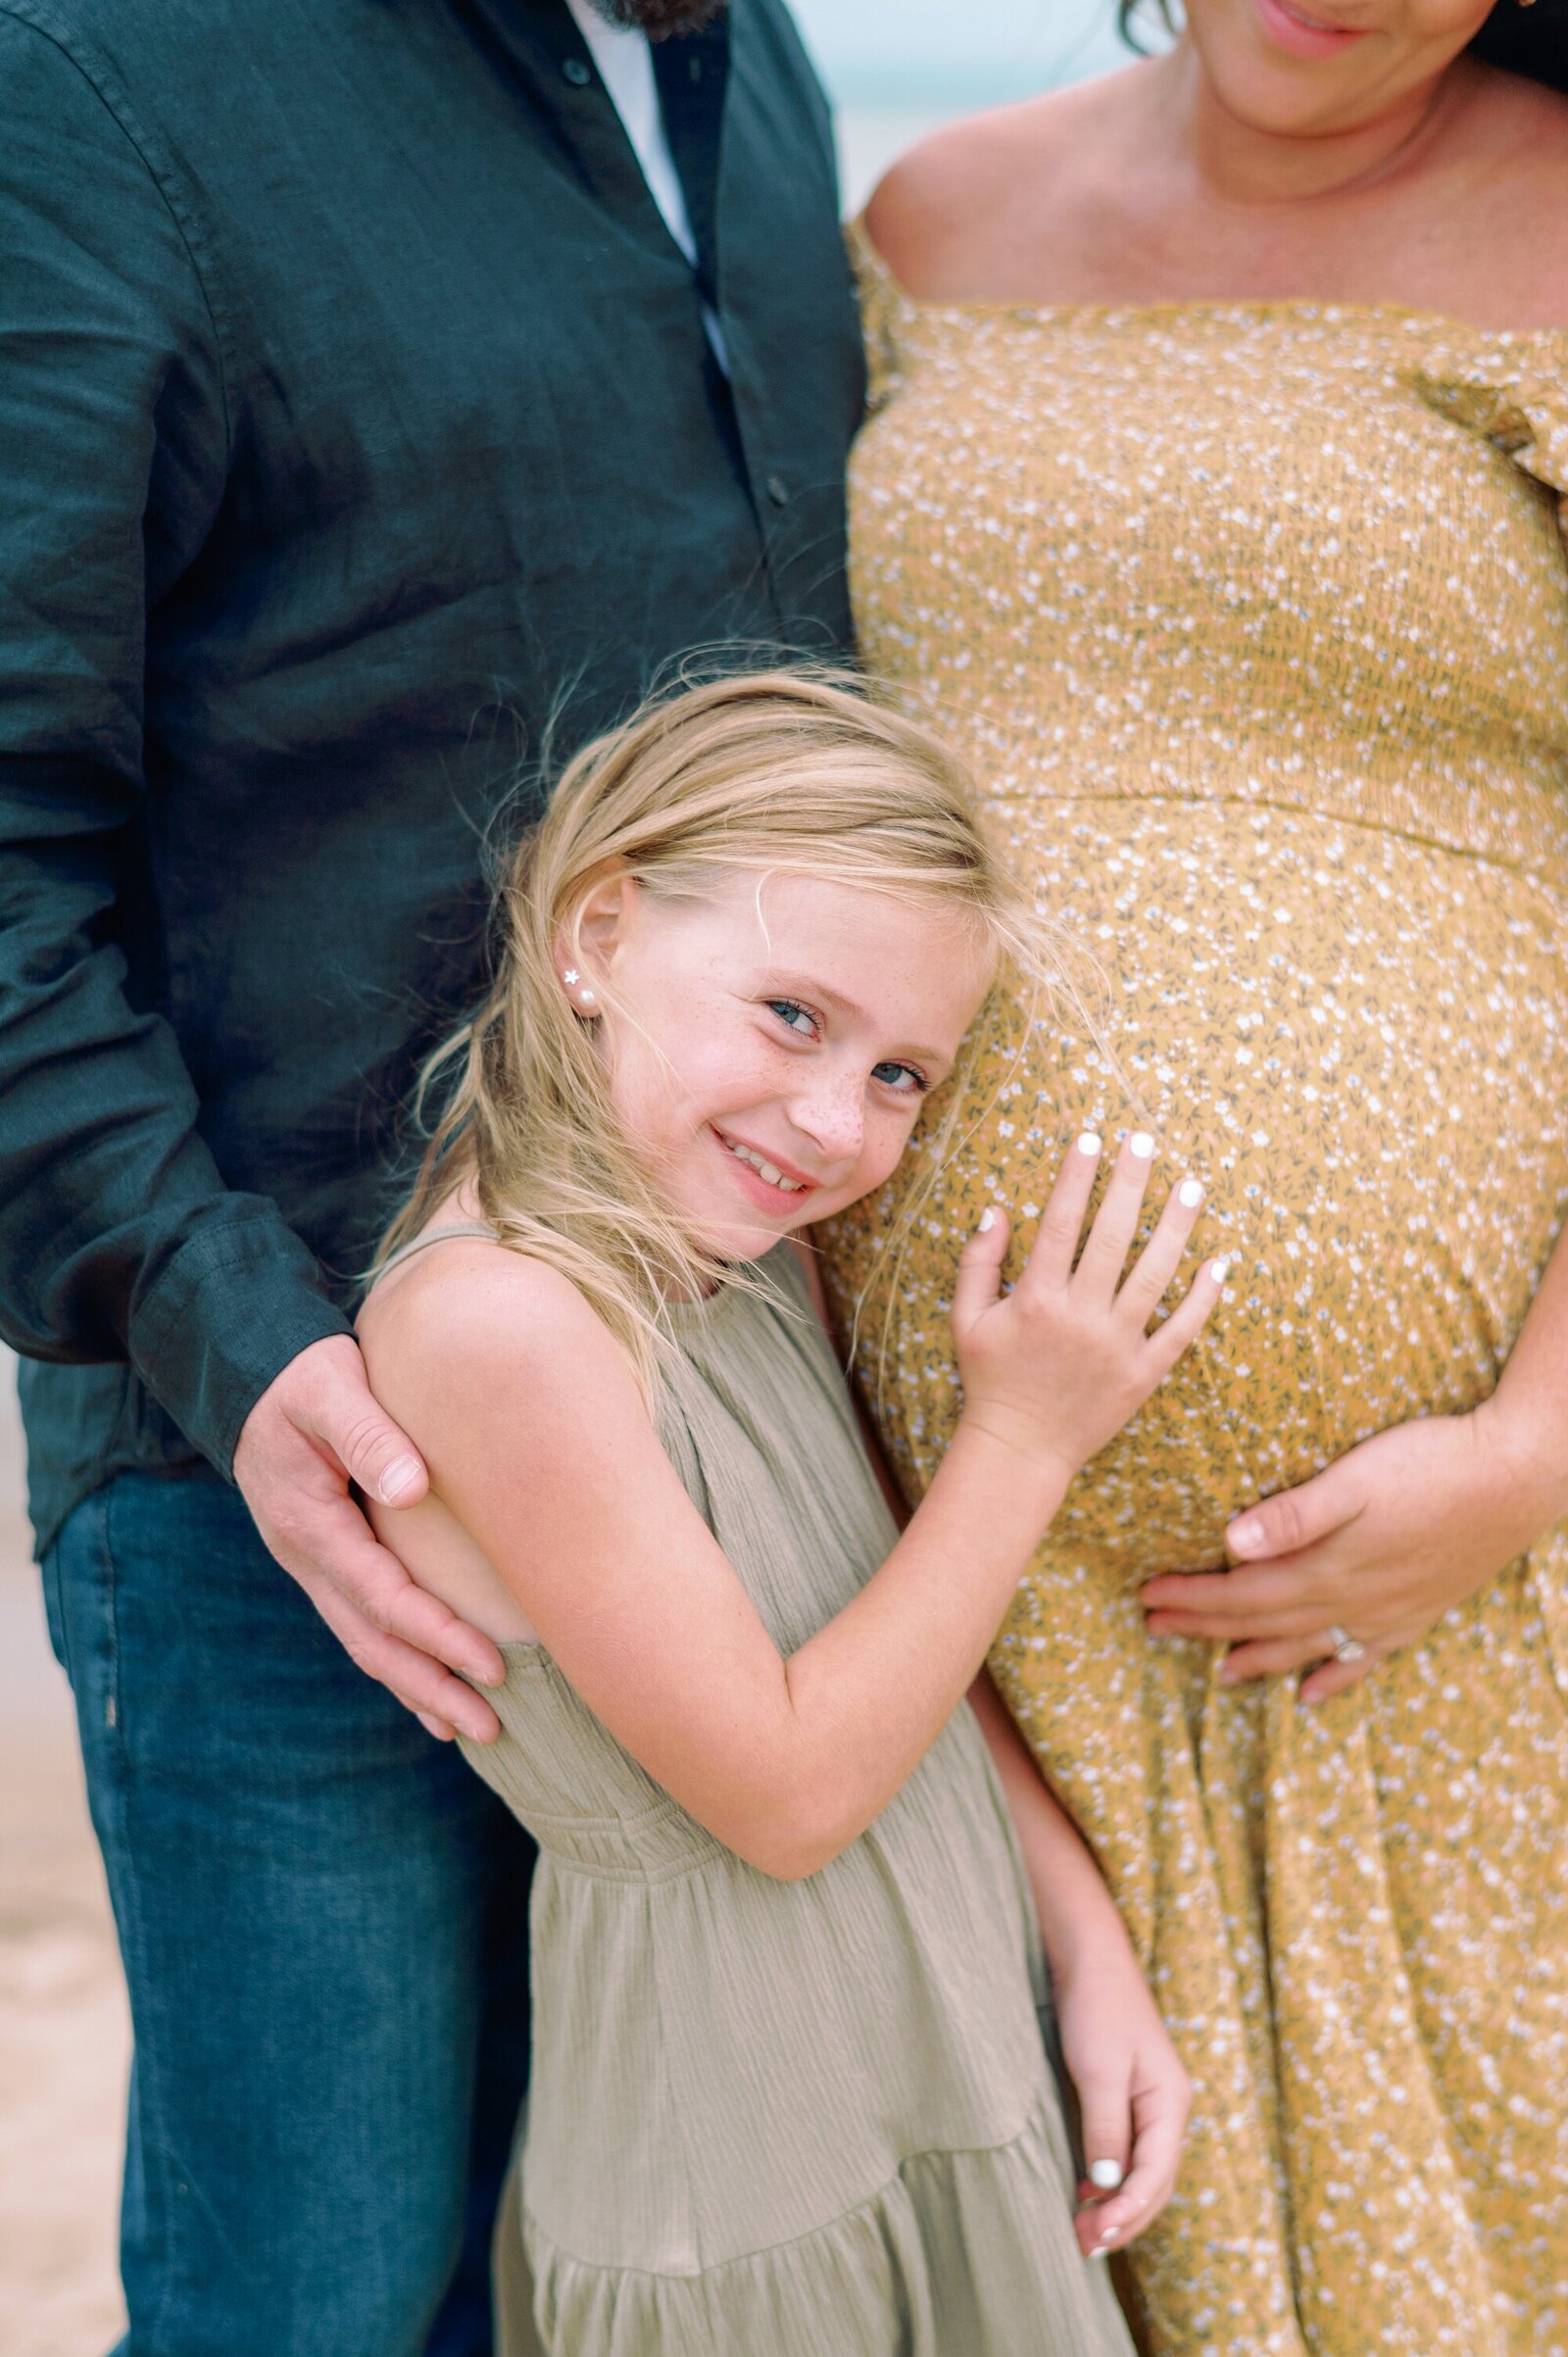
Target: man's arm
pixel 118 1236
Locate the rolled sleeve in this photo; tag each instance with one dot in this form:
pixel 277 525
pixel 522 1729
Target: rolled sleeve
pixel 119 1239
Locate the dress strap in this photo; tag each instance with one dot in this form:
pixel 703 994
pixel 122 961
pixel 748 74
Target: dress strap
pixel 459 1227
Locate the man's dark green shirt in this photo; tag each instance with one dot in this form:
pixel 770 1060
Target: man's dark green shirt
pixel 357 423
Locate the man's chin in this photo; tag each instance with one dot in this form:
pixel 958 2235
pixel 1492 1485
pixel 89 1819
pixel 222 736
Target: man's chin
pixel 659 20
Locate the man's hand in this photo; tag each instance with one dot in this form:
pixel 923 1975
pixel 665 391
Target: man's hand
pixel 314 1429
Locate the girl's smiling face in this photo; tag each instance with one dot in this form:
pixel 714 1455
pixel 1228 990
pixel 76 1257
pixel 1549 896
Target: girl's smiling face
pixel 770 1044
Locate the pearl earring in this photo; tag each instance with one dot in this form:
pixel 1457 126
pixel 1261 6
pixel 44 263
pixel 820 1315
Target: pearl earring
pixel 587 996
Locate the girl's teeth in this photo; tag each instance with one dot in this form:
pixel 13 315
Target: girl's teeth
pixel 767 1170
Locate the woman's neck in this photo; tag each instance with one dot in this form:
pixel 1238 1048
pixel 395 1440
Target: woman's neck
pixel 1239 163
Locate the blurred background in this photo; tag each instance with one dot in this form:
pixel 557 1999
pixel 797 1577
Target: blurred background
pixel 895 69
pixel 898 67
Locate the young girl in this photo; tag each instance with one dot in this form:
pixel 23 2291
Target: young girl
pixel 790 2094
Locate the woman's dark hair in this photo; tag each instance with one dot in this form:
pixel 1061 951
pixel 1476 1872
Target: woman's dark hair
pixel 1528 41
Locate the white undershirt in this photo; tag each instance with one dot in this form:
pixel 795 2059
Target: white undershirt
pixel 627 69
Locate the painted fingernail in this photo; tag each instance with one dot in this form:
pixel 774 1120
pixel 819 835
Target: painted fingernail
pixel 400 1477
pixel 1189 1195
pixel 1140 1143
pixel 1101 2249
pixel 1219 1270
pixel 1107 2174
pixel 988 1220
pixel 1089 1143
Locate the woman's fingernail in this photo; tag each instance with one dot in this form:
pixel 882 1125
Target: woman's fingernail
pixel 988 1219
pixel 1102 2250
pixel 1219 1270
pixel 1140 1143
pixel 1107 2174
pixel 1089 1143
pixel 1189 1195
pixel 1244 1538
pixel 400 1477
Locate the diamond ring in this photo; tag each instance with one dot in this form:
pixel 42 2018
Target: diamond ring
pixel 1345 1646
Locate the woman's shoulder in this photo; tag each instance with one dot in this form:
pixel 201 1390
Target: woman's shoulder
pixel 960 188
pixel 1509 228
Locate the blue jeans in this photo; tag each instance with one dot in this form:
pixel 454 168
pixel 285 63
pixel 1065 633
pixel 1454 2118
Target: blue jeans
pixel 322 1918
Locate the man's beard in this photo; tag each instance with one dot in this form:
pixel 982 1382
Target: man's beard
pixel 659 18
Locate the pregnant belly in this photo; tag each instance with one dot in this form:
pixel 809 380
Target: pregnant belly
pixel 1357 1041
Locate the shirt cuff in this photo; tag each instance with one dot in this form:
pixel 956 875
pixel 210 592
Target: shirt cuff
pixel 226 1314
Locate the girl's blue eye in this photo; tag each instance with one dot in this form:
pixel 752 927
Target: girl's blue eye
pixel 787 1010
pixel 902 1077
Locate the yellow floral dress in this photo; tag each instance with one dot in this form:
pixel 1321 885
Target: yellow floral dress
pixel 1253 618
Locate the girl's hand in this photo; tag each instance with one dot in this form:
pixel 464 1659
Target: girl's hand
pixel 1133 2093
pixel 1376 1548
pixel 1054 1368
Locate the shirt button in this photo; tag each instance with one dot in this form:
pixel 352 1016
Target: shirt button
pixel 778 490
pixel 577 71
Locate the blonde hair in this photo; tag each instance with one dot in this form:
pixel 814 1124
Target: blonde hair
pixel 770 773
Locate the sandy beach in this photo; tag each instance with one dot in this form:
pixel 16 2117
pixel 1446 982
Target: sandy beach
pixel 64 2039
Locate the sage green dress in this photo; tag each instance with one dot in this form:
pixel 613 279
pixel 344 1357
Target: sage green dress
pixel 769 2118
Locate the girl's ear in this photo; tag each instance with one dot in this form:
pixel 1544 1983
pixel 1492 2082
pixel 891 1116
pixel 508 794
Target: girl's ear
pixel 604 914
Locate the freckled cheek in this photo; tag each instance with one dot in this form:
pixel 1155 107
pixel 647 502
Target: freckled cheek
pixel 885 1142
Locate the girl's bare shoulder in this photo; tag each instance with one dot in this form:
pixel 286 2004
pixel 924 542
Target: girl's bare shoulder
pixel 475 1321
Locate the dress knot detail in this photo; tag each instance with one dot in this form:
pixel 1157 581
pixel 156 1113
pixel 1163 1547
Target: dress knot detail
pixel 1515 402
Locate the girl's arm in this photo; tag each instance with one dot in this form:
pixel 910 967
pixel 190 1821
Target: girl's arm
pixel 1133 2093
pixel 539 1443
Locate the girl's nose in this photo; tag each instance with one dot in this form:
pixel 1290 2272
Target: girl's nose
pixel 833 1117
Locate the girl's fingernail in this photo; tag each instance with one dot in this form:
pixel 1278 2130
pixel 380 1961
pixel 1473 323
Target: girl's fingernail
pixel 1140 1143
pixel 1242 1538
pixel 988 1219
pixel 1219 1270
pixel 1107 2174
pixel 1102 2250
pixel 1089 1143
pixel 1189 1195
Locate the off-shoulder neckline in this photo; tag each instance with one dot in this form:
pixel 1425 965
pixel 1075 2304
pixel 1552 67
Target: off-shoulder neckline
pixel 1189 305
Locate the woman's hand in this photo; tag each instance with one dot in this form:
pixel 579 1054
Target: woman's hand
pixel 1053 1369
pixel 1132 2092
pixel 1377 1549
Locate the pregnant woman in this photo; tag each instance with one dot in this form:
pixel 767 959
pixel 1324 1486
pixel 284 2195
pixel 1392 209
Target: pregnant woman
pixel 1211 497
